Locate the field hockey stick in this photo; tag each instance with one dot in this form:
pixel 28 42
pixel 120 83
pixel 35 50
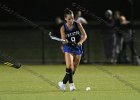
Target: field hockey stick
pixel 61 40
pixel 56 38
pixel 9 61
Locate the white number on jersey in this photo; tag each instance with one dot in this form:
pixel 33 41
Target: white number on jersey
pixel 73 39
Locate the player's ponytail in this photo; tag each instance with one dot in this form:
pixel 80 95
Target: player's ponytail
pixel 67 11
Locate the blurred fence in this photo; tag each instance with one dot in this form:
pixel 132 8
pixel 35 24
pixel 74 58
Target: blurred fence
pixel 30 45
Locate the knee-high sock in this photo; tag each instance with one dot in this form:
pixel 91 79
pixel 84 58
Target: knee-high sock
pixel 68 76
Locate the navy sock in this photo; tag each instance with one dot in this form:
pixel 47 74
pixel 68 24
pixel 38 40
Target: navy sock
pixel 70 76
pixel 66 77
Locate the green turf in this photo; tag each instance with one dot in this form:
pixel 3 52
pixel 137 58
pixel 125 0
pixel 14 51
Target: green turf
pixel 37 82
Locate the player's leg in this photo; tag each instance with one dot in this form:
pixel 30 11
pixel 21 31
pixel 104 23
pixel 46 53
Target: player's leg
pixel 77 57
pixel 76 61
pixel 69 67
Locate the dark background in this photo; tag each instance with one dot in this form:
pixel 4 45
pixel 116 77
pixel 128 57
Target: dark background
pixel 47 10
pixel 30 45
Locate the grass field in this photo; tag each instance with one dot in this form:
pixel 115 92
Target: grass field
pixel 39 82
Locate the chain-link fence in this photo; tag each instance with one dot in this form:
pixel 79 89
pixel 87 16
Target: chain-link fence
pixel 30 45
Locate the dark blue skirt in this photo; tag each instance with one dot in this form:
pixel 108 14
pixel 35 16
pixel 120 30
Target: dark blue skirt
pixel 76 50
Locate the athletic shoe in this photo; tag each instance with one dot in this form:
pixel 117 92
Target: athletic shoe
pixel 62 86
pixel 72 87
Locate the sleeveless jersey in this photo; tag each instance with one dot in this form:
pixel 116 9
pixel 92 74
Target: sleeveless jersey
pixel 72 35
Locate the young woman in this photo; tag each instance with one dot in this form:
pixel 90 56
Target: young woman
pixel 75 35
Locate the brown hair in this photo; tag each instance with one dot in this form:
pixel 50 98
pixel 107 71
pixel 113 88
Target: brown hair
pixel 67 11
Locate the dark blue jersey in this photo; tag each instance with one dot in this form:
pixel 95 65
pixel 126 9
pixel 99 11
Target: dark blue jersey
pixel 72 35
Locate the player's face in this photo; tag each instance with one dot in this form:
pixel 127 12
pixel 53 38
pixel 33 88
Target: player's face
pixel 69 19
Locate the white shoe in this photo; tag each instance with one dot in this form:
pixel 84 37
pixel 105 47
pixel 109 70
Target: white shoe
pixel 62 86
pixel 72 87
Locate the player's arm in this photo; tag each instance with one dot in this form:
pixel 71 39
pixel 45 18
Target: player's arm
pixel 84 35
pixel 62 33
